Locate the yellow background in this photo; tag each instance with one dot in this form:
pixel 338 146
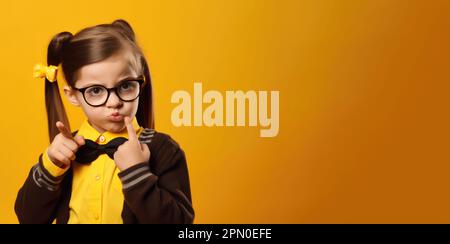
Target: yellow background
pixel 364 108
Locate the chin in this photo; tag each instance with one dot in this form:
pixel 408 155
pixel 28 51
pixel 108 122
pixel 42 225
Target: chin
pixel 115 127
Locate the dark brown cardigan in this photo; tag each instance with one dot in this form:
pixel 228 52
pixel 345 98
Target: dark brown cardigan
pixel 162 197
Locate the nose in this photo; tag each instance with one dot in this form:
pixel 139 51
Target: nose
pixel 113 101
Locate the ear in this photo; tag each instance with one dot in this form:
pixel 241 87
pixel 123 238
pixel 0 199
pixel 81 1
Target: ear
pixel 71 95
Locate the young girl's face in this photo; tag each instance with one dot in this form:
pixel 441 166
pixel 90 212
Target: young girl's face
pixel 109 73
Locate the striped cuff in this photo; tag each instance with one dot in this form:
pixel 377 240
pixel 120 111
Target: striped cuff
pixel 43 179
pixel 134 175
pixel 146 136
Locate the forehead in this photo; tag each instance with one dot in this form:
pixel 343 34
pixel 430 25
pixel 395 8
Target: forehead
pixel 107 72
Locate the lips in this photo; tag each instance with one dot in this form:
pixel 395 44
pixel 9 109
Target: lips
pixel 115 117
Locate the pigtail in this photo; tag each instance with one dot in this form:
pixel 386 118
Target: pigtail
pixel 145 113
pixel 53 102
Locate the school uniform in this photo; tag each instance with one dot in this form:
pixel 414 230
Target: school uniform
pixel 156 191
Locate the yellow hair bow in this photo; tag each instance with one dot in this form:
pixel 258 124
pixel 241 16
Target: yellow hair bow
pixel 49 72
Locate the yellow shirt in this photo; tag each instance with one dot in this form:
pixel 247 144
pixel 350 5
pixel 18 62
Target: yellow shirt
pixel 97 195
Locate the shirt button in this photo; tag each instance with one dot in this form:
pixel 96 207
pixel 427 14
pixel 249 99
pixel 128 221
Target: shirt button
pixel 96 216
pixel 97 177
pixel 101 138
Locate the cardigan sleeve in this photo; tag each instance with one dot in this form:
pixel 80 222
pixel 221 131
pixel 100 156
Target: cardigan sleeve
pixel 38 199
pixel 159 191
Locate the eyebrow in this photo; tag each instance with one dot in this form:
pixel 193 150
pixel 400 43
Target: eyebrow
pixel 130 78
pixel 120 81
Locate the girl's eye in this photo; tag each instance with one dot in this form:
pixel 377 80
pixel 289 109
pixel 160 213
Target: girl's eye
pixel 95 91
pixel 127 86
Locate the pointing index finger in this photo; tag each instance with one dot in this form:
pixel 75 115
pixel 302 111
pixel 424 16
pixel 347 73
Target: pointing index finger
pixel 63 129
pixel 131 132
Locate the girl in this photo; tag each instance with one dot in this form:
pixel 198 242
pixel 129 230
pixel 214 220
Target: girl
pixel 111 170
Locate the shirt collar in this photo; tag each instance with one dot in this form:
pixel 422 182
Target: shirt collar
pixel 88 132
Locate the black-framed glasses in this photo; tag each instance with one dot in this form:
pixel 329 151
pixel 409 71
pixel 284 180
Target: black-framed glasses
pixel 127 90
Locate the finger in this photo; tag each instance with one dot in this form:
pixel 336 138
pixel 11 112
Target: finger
pixel 61 158
pixel 131 132
pixel 145 150
pixel 63 129
pixel 67 153
pixel 79 140
pixel 70 144
pixel 144 147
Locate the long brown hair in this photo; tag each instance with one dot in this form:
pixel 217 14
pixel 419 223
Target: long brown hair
pixel 88 46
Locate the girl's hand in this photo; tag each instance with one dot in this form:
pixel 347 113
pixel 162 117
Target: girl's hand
pixel 63 148
pixel 131 152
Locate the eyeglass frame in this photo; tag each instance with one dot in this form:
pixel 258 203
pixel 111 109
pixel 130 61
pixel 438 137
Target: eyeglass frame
pixel 141 80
